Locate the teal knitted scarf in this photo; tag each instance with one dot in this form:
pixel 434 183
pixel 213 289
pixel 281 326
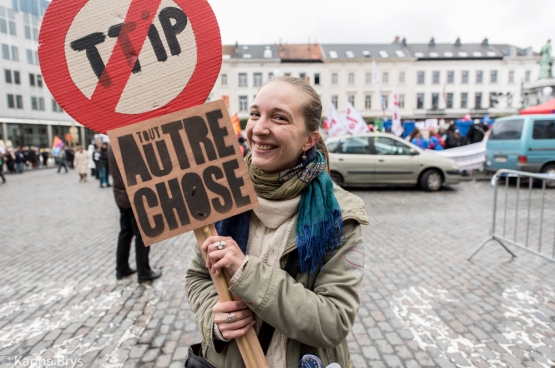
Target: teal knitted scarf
pixel 319 223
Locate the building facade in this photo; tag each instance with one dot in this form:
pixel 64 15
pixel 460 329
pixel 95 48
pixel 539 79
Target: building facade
pixel 431 80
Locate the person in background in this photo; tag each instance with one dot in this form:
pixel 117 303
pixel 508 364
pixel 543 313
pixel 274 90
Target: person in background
pixel 69 157
pixel 453 139
pixel 10 162
pixel 19 160
pixel 81 164
pixel 436 142
pixel 32 156
pixel 244 149
pixel 416 138
pixel 45 156
pixel 128 229
pixel 104 166
pixel 61 161
pixel 2 168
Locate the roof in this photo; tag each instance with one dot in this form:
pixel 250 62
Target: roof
pixel 362 51
pixel 268 52
pixel 300 53
pixel 432 50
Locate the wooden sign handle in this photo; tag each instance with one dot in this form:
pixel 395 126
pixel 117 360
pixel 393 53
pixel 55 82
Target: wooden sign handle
pixel 249 346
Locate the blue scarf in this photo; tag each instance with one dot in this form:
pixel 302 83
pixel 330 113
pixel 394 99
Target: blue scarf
pixel 319 227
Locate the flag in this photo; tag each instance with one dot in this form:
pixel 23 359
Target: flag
pixel 236 124
pixel 226 100
pixel 57 142
pixel 336 125
pixel 396 126
pixel 376 75
pixel 467 117
pixel 326 127
pixel 355 122
pixel 444 94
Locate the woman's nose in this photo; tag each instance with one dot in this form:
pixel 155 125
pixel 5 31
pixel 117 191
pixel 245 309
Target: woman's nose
pixel 261 126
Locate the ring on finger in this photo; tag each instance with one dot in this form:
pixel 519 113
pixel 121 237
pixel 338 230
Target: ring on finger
pixel 230 318
pixel 219 244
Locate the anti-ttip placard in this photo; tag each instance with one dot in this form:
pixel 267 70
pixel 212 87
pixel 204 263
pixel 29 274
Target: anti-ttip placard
pixel 183 171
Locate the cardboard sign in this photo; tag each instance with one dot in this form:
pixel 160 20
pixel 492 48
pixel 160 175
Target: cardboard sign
pixel 113 63
pixel 183 171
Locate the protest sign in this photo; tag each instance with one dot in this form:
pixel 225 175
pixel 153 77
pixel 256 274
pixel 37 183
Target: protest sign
pixel 183 171
pixel 113 63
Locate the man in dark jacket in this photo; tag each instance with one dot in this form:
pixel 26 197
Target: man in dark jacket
pixel 128 229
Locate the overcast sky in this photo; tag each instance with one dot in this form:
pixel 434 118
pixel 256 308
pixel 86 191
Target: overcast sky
pixel 522 23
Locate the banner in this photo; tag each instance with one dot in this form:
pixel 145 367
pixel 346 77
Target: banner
pixel 376 75
pixel 354 120
pixel 236 124
pixel 396 127
pixel 336 125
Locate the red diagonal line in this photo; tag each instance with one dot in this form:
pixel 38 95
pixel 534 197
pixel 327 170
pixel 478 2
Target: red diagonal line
pixel 118 69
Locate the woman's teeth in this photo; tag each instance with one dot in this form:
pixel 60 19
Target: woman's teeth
pixel 265 147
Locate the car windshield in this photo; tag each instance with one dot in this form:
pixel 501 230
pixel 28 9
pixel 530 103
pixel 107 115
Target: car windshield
pixel 507 129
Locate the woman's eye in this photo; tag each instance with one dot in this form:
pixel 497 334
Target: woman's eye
pixel 280 118
pixel 254 114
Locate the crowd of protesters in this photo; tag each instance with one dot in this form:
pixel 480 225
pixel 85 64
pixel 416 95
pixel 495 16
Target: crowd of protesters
pixel 447 138
pixel 16 161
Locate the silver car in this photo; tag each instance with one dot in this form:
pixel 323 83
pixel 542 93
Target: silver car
pixel 376 158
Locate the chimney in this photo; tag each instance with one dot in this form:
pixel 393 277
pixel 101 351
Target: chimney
pixel 404 42
pixel 512 51
pixel 396 39
pixel 458 41
pixel 432 42
pixel 529 51
pixel 485 42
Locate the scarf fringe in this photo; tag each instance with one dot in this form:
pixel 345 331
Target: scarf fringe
pixel 318 239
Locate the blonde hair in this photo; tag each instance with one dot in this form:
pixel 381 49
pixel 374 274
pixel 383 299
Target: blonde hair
pixel 311 109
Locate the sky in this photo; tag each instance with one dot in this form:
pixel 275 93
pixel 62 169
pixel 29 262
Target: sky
pixel 522 23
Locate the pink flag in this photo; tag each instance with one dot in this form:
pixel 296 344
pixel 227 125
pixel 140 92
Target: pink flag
pixel 336 125
pixel 355 122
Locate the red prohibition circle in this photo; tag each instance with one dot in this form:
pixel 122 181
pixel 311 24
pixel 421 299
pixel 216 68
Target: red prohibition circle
pixel 55 26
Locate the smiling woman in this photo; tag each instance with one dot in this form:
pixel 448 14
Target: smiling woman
pixel 288 257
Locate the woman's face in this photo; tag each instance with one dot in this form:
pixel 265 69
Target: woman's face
pixel 276 129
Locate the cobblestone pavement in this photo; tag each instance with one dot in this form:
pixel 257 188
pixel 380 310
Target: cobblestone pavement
pixel 423 304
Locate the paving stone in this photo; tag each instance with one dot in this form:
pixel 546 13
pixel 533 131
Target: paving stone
pixel 371 353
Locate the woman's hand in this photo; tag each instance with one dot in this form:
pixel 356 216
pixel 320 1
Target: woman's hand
pixel 229 257
pixel 233 319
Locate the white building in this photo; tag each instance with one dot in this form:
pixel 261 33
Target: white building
pixel 431 80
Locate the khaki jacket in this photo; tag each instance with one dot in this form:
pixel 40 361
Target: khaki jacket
pixel 316 312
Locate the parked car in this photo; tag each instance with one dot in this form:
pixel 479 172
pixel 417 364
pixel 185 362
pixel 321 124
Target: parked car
pixel 523 143
pixel 376 158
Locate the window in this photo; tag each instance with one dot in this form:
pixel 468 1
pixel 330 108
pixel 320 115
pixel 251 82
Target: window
pixel 34 103
pixel 385 77
pixel 257 79
pixel 12 28
pixel 351 99
pixel 449 102
pixel 19 101
pixel 368 102
pixel 302 76
pixel 478 100
pixel 419 100
pixel 450 77
pixel 464 77
pixel 39 80
pixel 8 75
pixel 402 101
pixel 3 27
pixel 5 52
pixel 527 76
pixel 493 76
pixel 243 103
pixel 512 76
pixel 56 107
pixel 30 57
pixel 41 104
pixel 27 32
pixel 36 58
pixel 242 79
pixel 32 79
pixel 15 53
pixel 435 101
pixel 464 100
pixel 270 75
pixel 402 77
pixel 420 77
pixel 317 79
pixel 479 76
pixel 385 101
pixel 11 101
pixel 435 77
pixel 224 79
pixel 334 99
pixel 368 78
pixel 544 129
pixel 351 78
pixel 16 77
pixel 506 129
pixel 35 34
pixel 493 99
pixel 287 74
pixel 355 146
pixel 390 146
pixel 333 78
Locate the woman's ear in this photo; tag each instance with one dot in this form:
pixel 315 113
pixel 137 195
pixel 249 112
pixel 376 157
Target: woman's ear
pixel 311 140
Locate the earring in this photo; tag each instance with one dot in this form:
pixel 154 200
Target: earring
pixel 303 157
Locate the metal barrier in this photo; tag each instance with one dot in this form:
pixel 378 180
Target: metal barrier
pixel 539 225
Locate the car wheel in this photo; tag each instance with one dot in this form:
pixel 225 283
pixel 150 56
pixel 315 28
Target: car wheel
pixel 431 180
pixel 549 170
pixel 336 177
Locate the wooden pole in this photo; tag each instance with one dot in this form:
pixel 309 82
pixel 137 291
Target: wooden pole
pixel 249 346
